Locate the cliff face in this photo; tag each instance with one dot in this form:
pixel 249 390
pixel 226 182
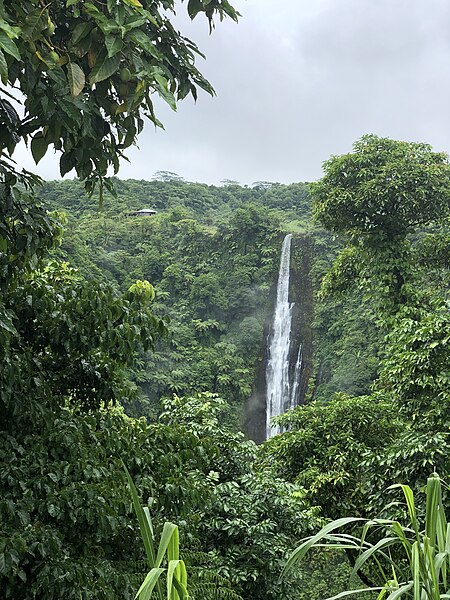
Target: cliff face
pixel 301 294
pixel 255 408
pixel 303 312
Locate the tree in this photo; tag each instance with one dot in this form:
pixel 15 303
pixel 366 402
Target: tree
pixel 384 189
pixel 87 72
pixel 167 176
pixel 416 365
pixel 376 196
pixel 324 447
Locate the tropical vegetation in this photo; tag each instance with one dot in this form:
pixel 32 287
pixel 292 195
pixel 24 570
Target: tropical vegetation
pixel 141 341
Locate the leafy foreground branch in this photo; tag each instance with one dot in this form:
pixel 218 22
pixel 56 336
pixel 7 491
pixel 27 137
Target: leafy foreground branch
pixel 409 562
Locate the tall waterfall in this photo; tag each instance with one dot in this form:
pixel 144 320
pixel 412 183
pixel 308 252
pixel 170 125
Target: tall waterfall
pixel 277 371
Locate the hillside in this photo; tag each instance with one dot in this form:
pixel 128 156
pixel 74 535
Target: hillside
pixel 212 254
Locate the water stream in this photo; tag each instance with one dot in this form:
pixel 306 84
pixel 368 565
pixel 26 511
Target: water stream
pixel 277 371
pixel 297 376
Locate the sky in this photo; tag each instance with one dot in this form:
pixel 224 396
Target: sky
pixel 298 81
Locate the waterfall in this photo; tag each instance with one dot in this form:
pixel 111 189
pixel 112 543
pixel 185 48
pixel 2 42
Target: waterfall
pixel 277 372
pixel 297 376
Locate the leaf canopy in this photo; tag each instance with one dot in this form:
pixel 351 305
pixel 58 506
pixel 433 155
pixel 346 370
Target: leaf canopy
pixel 88 72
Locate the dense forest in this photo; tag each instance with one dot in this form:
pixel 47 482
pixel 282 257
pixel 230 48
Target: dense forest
pixel 169 391
pixel 134 348
pixel 212 254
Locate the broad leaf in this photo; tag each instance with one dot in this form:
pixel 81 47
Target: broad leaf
pixel 39 147
pixel 6 323
pixel 81 31
pixel 144 42
pixel 37 21
pixel 144 519
pixel 113 45
pixel 3 68
pixel 300 552
pixel 164 92
pixel 67 163
pixel 148 585
pixel 76 78
pixel 194 7
pixel 104 67
pixel 9 46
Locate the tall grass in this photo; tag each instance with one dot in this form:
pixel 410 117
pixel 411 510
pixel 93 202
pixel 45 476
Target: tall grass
pixel 409 561
pixel 164 561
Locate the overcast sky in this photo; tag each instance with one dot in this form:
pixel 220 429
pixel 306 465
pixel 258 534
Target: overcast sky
pixel 298 81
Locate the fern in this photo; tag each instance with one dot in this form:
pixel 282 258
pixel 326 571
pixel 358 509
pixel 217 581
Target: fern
pixel 205 582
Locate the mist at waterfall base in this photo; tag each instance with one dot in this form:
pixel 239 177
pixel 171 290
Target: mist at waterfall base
pixel 281 387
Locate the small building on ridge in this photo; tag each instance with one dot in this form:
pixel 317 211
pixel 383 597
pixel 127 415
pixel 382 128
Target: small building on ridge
pixel 144 212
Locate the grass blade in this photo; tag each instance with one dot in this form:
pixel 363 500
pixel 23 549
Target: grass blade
pixel 300 552
pixel 169 531
pixel 404 589
pixel 144 521
pixel 351 592
pixel 148 585
pixel 415 569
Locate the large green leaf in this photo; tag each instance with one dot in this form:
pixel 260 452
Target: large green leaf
pixel 81 31
pixel 39 147
pixel 67 162
pixel 351 592
pixel 164 92
pixel 194 7
pixel 9 46
pixel 3 68
pixel 300 552
pixel 149 583
pixel 104 67
pixel 113 45
pixel 144 519
pixel 76 78
pixel 37 21
pixel 144 41
pixel 169 531
pixel 6 323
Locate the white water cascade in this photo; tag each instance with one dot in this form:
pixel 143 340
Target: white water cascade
pixel 297 376
pixel 279 397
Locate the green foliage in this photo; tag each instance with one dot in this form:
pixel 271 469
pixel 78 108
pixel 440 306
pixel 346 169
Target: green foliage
pixel 325 449
pixel 408 561
pixel 212 254
pixel 66 517
pixel 60 321
pixel 212 281
pixel 416 364
pixel 27 233
pixel 253 516
pixel 347 347
pixel 377 196
pixel 383 189
pixel 176 575
pixel 66 348
pixel 64 509
pixel 87 71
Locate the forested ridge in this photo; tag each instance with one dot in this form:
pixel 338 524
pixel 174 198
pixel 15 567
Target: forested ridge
pixel 212 254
